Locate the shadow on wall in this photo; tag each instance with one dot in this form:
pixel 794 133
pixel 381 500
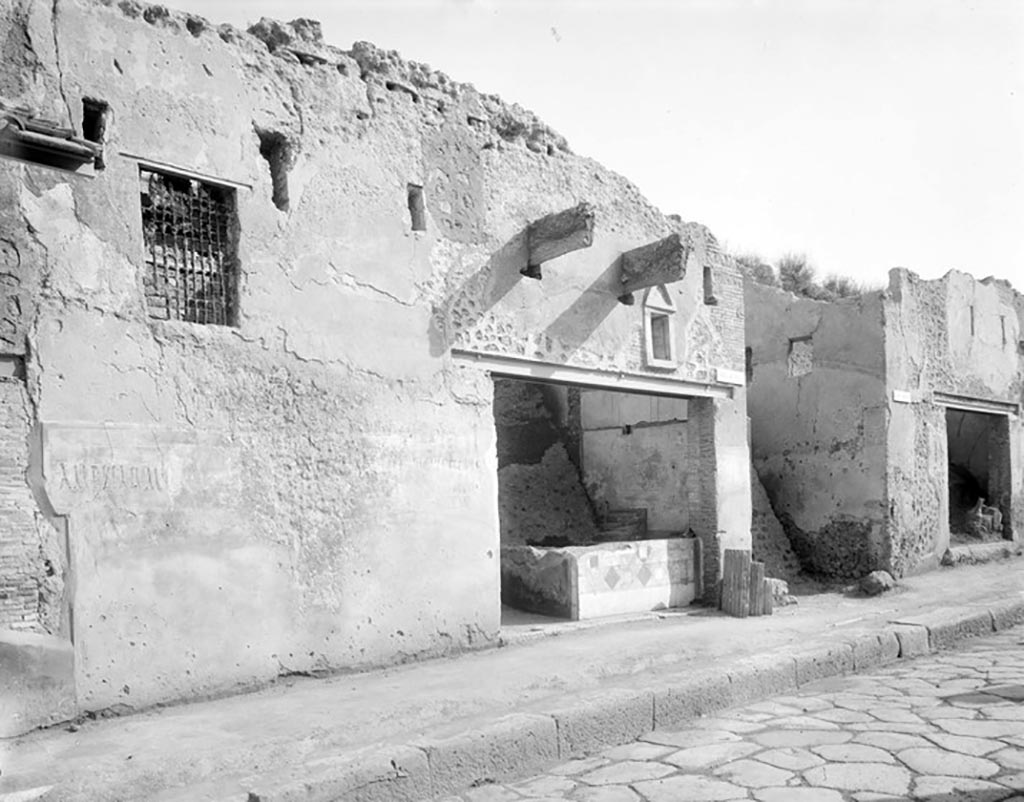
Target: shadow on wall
pixel 467 306
pixel 574 326
pixel 464 308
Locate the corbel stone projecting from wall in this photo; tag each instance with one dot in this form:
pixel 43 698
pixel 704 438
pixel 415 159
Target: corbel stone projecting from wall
pixel 557 234
pixel 661 262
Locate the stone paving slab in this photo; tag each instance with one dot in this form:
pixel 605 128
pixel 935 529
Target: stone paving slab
pixel 757 753
pixel 668 681
pixel 623 715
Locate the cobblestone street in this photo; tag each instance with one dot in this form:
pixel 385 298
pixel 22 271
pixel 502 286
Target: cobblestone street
pixel 947 727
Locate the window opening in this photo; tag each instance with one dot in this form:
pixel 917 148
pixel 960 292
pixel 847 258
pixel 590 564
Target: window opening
pixel 659 328
pixel 709 286
pixel 95 115
pixel 274 148
pixel 417 208
pixel 190 235
pixel 660 348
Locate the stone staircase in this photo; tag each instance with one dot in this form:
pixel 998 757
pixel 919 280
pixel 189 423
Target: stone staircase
pixel 618 525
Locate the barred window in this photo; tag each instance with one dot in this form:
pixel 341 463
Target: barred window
pixel 190 233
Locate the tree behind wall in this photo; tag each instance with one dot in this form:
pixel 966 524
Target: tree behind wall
pixel 794 273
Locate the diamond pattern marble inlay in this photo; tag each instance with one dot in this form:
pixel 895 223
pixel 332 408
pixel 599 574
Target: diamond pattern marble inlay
pixel 611 576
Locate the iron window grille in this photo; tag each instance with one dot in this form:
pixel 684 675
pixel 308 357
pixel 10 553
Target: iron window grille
pixel 190 233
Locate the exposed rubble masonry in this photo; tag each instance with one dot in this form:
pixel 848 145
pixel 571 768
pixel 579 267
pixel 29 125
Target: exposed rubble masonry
pixel 306 481
pixel 875 419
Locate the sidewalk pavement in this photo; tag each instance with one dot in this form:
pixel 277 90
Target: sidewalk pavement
pixel 434 728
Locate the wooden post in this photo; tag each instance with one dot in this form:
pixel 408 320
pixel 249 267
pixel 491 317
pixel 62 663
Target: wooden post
pixel 757 588
pixel 736 582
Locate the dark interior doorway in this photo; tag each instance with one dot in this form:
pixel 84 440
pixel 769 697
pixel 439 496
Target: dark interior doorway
pixel 979 475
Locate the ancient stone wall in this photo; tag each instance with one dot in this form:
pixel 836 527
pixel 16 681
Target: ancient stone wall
pixel 541 498
pixel 314 485
pixel 636 456
pixel 952 340
pixel 817 413
pixel 20 558
pixel 769 542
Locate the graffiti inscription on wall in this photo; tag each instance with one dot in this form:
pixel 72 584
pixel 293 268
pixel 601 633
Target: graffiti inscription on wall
pixel 93 477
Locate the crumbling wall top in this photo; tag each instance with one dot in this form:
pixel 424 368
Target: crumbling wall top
pixel 301 41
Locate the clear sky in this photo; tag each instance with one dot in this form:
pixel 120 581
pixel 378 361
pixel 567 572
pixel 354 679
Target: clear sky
pixel 867 134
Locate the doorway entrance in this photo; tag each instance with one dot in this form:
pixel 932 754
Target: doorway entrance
pixel 978 447
pixel 595 490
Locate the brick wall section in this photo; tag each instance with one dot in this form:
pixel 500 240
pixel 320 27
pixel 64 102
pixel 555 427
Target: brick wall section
pixel 727 313
pixel 703 512
pixel 20 556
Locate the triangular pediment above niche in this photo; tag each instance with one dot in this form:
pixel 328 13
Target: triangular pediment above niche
pixel 658 297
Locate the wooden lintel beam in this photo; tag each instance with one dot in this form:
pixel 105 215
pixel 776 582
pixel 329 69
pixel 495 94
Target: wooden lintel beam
pixel 660 262
pixel 557 234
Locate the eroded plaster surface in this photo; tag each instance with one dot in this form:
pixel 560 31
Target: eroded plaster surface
pixel 960 337
pixel 849 407
pixel 817 431
pixel 315 487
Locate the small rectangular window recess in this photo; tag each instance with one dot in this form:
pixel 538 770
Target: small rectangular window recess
pixel 972 321
pixel 709 287
pixel 95 119
pixel 417 207
pixel 1002 327
pixel 190 233
pixel 748 362
pixel 801 356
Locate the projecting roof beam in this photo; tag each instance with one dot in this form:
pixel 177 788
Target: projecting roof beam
pixel 660 262
pixel 558 234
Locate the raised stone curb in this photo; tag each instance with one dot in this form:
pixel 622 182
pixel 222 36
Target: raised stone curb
pixel 1006 613
pixel 401 774
pixel 869 650
pixel 677 701
pixel 513 746
pixel 947 626
pixel 912 640
pixel 528 743
pixel 606 719
pixel 823 660
pixel 754 678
